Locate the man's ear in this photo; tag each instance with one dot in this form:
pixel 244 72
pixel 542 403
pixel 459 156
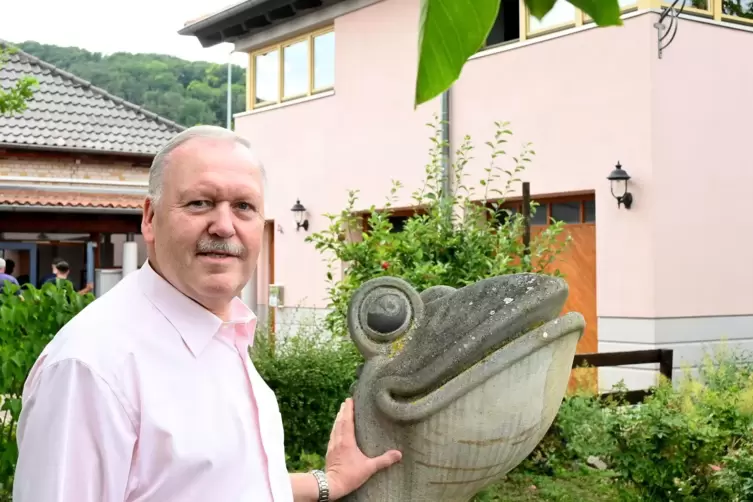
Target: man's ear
pixel 147 221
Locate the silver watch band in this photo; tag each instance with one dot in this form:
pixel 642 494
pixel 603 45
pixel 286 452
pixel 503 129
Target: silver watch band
pixel 321 480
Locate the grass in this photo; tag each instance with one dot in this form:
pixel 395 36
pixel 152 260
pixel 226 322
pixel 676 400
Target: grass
pixel 575 485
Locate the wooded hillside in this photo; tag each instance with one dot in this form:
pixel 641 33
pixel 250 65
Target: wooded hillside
pixel 186 92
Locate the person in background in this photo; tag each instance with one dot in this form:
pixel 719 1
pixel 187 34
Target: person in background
pixel 62 270
pixel 5 275
pixel 50 277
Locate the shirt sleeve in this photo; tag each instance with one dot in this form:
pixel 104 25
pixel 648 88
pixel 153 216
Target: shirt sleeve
pixel 75 439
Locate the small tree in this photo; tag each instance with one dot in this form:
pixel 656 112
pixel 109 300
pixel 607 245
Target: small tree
pixel 452 239
pixel 14 100
pixel 29 319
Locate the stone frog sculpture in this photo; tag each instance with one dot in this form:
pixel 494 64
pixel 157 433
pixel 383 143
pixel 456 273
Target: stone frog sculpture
pixel 465 382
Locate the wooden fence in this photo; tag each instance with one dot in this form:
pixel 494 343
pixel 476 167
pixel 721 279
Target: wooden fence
pixel 610 359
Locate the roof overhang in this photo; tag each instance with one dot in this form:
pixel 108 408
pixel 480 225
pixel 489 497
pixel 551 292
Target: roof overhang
pixel 249 18
pixel 143 156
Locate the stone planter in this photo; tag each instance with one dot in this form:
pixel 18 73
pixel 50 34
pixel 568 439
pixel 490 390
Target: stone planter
pixel 464 382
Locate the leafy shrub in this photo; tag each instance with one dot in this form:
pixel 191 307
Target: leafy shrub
pixel 734 476
pixel 692 441
pixel 311 377
pixel 28 321
pixel 454 239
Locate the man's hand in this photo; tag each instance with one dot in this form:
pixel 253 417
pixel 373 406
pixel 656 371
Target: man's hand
pixel 347 467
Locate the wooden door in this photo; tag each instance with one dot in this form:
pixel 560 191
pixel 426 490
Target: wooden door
pixel 578 265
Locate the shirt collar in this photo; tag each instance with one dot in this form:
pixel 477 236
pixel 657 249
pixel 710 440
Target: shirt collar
pixel 196 325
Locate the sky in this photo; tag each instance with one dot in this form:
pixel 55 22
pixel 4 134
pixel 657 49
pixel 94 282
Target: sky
pixel 107 26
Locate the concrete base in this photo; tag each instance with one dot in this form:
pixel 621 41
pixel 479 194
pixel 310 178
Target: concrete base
pixel 691 339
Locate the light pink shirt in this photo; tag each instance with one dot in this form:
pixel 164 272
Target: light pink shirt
pixel 145 397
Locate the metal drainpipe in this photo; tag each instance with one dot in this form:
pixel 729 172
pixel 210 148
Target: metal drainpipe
pixel 229 90
pixel 446 164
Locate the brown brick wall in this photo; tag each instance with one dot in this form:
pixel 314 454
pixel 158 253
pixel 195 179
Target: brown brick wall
pixel 64 168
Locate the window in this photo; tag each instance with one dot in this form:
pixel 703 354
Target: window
pixel 562 14
pixel 293 69
pixel 568 212
pixel 737 10
pixel 540 216
pixel 569 209
pixel 507 25
pixel 589 211
pixel 324 61
pixel 398 223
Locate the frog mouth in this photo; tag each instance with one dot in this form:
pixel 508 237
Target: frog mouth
pixel 500 329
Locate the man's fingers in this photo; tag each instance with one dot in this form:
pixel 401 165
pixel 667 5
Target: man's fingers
pixel 334 424
pixel 387 459
pixel 338 432
pixel 333 433
pixel 349 430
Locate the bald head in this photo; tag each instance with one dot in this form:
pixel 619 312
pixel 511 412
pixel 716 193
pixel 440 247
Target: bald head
pixel 207 132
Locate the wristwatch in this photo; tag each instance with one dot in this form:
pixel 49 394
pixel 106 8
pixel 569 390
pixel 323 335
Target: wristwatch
pixel 321 480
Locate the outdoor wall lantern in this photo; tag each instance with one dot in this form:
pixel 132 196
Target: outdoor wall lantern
pixel 619 185
pixel 299 210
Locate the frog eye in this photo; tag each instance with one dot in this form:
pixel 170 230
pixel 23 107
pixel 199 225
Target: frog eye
pixel 386 310
pixel 382 310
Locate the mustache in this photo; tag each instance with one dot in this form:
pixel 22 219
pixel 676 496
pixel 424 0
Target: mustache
pixel 220 246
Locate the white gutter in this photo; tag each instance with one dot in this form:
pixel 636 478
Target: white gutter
pixel 73 181
pixel 74 189
pixel 21 208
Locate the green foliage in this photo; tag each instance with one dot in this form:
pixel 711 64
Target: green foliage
pixel 13 100
pixel 28 321
pixel 469 21
pixel 185 92
pixel 578 484
pixel 690 442
pixel 455 239
pixel 735 479
pixel 311 377
pixel 451 31
pixel 739 8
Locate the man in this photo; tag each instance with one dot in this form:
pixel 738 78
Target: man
pixel 50 277
pixel 148 395
pixel 6 275
pixel 61 271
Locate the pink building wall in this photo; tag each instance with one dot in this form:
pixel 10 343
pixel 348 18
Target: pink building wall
pixel 586 100
pixel 701 130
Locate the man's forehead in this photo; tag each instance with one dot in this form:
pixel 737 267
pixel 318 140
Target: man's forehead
pixel 210 149
pixel 210 156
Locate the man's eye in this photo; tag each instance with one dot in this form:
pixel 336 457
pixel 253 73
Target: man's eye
pixel 198 203
pixel 245 206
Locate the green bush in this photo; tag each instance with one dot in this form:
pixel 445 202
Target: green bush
pixel 691 441
pixel 311 377
pixel 28 321
pixel 455 239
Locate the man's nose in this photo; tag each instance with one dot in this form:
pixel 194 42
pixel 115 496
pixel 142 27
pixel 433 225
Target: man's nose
pixel 222 221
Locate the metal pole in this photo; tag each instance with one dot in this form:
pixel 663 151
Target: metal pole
pixel 229 90
pixel 446 166
pixel 527 217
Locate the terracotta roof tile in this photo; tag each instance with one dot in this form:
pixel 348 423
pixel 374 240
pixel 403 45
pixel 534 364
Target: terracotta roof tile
pixel 70 199
pixel 67 112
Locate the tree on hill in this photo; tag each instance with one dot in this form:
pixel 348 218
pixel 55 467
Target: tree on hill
pixel 13 100
pixel 186 92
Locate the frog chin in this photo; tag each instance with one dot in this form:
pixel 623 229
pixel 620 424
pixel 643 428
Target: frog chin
pixel 402 400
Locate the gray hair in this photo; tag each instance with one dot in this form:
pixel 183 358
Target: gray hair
pixel 162 158
pixel 2 264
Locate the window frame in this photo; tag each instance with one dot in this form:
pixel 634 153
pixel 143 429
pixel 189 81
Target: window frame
pixel 714 12
pixel 280 47
pixel 547 200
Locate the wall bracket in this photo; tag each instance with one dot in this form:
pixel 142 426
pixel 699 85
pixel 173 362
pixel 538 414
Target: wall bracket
pixel 666 33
